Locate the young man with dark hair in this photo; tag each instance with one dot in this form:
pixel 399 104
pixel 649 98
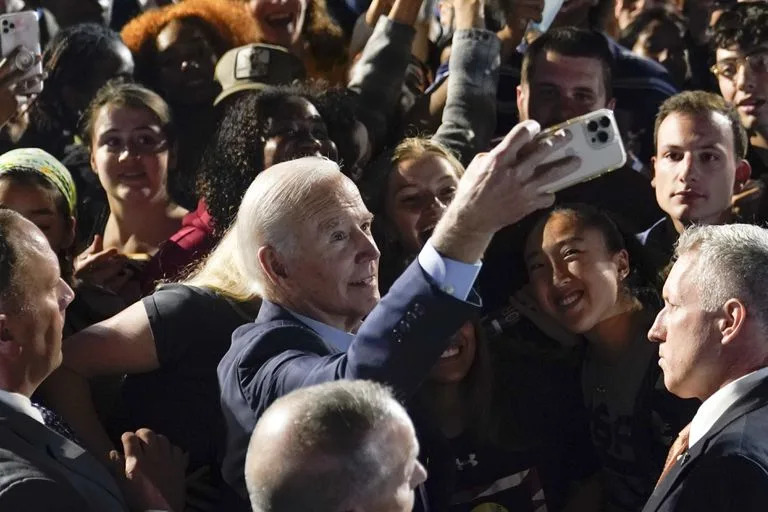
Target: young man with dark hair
pixel 740 44
pixel 698 167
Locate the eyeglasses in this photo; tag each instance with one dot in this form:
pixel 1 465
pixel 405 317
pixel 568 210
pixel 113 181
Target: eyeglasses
pixel 727 68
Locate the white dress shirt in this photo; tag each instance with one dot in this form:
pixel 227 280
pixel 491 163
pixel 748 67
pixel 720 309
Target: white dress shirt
pixel 715 406
pixel 22 404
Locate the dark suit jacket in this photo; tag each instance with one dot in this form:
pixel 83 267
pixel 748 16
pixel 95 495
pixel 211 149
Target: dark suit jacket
pixel 43 471
pixel 397 345
pixel 727 470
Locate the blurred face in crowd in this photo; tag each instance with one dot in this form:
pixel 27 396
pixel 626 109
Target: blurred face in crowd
pixel 280 21
pixel 400 450
pixel 130 154
pixel 32 324
pixel 561 88
pixel 38 204
pixel 115 63
pixel 293 128
pixel 574 277
pixel 627 10
pixel 186 60
pixel 664 43
pixel 418 192
pixel 338 285
pixel 456 361
pixel 689 344
pixel 745 84
pixel 695 169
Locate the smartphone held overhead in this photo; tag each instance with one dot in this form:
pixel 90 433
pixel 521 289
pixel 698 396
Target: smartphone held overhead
pixel 596 140
pixel 22 30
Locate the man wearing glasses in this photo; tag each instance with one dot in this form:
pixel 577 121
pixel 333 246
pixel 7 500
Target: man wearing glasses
pixel 740 41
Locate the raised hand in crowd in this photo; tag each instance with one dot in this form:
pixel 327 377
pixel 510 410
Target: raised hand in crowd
pixel 13 82
pixel 150 471
pixel 500 188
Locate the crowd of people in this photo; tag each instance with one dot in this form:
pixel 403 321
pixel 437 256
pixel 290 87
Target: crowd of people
pixel 300 256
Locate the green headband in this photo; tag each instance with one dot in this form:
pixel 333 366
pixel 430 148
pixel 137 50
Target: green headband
pixel 38 161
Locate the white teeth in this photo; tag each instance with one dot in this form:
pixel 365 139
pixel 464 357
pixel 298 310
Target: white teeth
pixel 450 352
pixel 569 299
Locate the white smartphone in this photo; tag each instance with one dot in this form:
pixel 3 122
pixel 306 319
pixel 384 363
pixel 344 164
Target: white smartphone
pixel 595 140
pixel 23 29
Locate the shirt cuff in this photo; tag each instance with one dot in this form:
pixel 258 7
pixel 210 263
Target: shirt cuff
pixel 453 277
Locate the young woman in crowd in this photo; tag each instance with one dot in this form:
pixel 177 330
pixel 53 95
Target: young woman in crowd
pixel 38 186
pixel 132 142
pixel 584 277
pixel 176 48
pixel 305 28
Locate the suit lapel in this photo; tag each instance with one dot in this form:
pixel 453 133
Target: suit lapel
pixel 755 399
pixel 70 455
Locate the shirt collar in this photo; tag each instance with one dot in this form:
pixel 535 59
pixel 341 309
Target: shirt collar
pixel 21 403
pixel 341 340
pixel 715 406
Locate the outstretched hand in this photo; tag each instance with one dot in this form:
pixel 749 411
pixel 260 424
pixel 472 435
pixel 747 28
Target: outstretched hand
pixel 151 471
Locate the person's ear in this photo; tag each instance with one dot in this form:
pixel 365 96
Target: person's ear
pixel 522 102
pixel 611 105
pixel 653 171
pixel 621 259
pixel 732 321
pixel 272 265
pixel 743 172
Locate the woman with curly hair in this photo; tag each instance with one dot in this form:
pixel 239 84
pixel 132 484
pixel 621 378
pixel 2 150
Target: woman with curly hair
pixel 176 48
pixel 257 130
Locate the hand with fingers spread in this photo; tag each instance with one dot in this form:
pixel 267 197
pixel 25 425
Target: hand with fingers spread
pixel 14 83
pixel 500 188
pixel 151 471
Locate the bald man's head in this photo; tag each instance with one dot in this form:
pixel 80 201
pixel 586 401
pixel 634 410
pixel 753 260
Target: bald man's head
pixel 344 445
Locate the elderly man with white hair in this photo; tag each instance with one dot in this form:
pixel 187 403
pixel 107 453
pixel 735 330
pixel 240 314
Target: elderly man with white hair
pixel 343 445
pixel 713 345
pixel 305 237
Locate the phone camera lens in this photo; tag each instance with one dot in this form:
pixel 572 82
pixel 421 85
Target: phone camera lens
pixel 602 137
pixel 605 122
pixel 592 126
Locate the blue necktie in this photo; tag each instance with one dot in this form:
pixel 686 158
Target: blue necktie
pixel 57 423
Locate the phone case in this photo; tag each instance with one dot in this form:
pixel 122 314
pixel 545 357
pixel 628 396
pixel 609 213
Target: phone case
pixel 596 140
pixel 22 29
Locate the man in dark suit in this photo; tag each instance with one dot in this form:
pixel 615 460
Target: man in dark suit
pixel 713 345
pixel 41 469
pixel 305 244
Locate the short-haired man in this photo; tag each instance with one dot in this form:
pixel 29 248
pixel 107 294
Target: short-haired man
pixel 699 165
pixel 567 72
pixel 315 264
pixel 712 346
pixel 40 469
pixel 343 445
pixel 740 42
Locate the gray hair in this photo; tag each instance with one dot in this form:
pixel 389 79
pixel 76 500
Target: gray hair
pixel 278 198
pixel 329 456
pixel 731 262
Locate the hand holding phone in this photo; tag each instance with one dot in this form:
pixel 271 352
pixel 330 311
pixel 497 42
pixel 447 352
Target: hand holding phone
pixel 596 140
pixel 20 47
